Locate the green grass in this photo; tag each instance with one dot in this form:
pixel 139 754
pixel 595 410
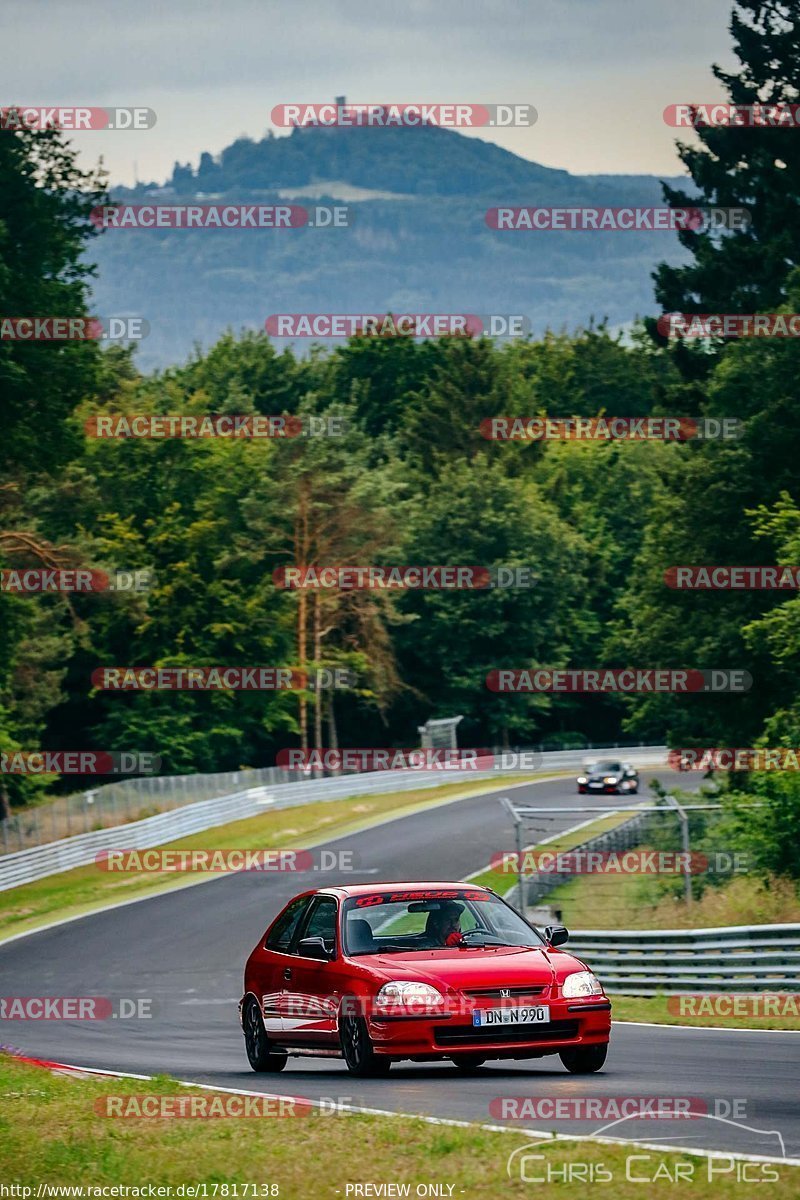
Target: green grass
pixel 605 901
pixel 83 889
pixel 51 1133
pixel 661 1010
pixel 502 881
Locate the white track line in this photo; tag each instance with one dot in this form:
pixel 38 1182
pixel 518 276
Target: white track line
pixel 545 1135
pixel 702 1028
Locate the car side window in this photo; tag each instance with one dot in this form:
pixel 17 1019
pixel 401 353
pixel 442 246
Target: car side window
pixel 320 922
pixel 280 936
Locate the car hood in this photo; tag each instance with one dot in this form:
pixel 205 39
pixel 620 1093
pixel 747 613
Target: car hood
pixel 476 968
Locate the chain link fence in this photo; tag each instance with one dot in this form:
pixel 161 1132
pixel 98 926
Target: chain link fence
pixel 127 800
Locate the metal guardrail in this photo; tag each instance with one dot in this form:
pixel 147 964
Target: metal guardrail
pixel 735 958
pixel 133 799
pixel 25 866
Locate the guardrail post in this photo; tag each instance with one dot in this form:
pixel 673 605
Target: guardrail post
pixel 687 867
pixel 509 807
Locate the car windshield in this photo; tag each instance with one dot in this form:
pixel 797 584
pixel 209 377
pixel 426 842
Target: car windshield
pixel 397 923
pixel 602 768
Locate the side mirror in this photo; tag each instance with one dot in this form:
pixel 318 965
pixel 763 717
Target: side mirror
pixel 554 935
pixel 314 947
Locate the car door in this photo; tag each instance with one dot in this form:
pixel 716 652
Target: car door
pixel 272 962
pixel 309 1005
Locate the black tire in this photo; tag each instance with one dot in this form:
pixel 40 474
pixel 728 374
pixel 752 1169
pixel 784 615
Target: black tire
pixel 584 1060
pixel 256 1043
pixel 358 1051
pixel 467 1062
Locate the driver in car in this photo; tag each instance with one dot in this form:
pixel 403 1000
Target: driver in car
pixel 443 926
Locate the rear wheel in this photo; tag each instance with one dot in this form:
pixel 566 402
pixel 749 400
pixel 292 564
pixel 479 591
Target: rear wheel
pixel 584 1060
pixel 357 1048
pixel 260 1053
pixel 468 1062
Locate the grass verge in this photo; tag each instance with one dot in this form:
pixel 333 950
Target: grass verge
pixel 53 1134
pixel 699 1011
pixel 83 889
pixel 605 901
pixel 502 881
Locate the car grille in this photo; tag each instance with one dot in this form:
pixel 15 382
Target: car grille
pixel 511 993
pixel 553 1031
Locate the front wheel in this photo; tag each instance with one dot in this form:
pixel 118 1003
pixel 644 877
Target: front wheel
pixel 584 1060
pixel 357 1049
pixel 259 1051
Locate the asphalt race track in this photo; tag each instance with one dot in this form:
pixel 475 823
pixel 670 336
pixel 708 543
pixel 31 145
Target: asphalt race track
pixel 186 951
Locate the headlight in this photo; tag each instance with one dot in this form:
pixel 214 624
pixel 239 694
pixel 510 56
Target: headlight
pixel 582 779
pixel 610 779
pixel 411 993
pixel 581 983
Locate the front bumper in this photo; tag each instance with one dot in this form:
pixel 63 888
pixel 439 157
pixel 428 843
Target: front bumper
pixel 572 1023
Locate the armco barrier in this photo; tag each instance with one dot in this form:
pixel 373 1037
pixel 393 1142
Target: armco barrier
pixel 25 866
pixel 735 958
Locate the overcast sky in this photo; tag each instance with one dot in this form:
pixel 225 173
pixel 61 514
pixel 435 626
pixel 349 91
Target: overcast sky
pixel 599 72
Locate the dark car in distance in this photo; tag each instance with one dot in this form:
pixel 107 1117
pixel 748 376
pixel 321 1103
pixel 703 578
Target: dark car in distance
pixel 608 776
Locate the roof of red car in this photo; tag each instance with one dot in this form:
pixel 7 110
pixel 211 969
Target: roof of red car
pixel 360 889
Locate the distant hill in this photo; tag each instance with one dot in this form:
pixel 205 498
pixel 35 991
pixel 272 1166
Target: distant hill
pixel 419 241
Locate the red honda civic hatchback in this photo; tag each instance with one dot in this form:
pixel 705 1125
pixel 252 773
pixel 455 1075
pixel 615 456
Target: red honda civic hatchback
pixel 423 971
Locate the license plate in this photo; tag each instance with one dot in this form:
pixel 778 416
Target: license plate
pixel 516 1015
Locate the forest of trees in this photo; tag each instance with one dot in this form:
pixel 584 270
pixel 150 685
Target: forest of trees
pixel 411 481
